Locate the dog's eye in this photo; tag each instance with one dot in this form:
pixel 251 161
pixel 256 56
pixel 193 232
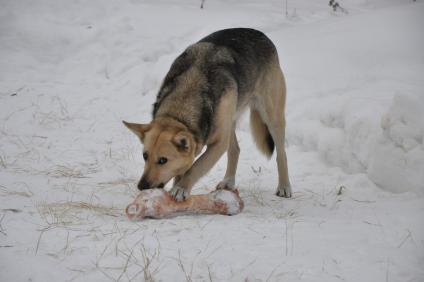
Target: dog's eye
pixel 162 161
pixel 145 156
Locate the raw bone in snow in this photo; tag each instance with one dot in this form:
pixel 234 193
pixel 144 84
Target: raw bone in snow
pixel 157 203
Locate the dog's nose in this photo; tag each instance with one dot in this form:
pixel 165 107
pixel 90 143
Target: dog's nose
pixel 143 184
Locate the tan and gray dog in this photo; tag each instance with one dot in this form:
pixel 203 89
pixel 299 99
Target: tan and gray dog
pixel 204 93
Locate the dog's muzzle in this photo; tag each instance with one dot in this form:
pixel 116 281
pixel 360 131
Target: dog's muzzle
pixel 143 184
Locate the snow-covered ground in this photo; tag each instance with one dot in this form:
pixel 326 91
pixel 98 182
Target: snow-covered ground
pixel 70 71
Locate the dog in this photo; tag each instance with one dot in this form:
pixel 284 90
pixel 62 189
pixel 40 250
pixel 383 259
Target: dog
pixel 202 96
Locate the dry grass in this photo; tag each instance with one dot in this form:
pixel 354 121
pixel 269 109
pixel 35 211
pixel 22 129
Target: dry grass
pixel 135 258
pixel 65 213
pixel 2 230
pixel 187 275
pixel 126 185
pixel 119 181
pixel 4 191
pixel 53 118
pixel 147 264
pixel 256 195
pixel 67 171
pixel 127 182
pixel 3 161
pixel 68 214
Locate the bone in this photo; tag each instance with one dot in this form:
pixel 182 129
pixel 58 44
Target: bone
pixel 157 203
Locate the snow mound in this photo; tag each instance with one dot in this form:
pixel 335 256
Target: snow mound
pixel 364 137
pixel 397 161
pixel 360 112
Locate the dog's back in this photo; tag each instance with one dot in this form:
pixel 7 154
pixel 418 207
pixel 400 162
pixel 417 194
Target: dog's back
pixel 197 79
pixel 251 51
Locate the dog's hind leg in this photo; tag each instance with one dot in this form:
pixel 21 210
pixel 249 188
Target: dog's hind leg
pixel 277 132
pixel 272 112
pixel 277 126
pixel 232 159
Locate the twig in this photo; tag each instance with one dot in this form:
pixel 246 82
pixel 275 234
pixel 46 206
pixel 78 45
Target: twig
pixel 287 238
pixel 387 271
pixel 3 162
pixel 16 92
pixel 406 238
pixel 370 223
pixel 5 191
pixel 209 221
pixel 180 263
pixel 362 201
pixel 291 225
pixel 216 249
pixel 2 230
pixel 272 273
pixel 106 71
pixel 102 254
pixel 147 261
pixel 105 273
pixel 126 265
pixel 209 273
pixel 39 136
pixel 39 240
pixel 67 243
pixel 256 171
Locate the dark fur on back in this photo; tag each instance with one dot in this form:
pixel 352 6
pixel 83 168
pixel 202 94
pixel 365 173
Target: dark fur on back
pixel 250 49
pixel 230 58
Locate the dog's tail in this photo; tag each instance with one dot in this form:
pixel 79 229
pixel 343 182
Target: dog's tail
pixel 261 135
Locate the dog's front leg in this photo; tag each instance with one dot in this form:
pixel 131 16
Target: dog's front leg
pixel 203 164
pixel 177 179
pixel 217 146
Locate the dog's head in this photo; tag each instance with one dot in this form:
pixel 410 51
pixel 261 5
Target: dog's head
pixel 169 151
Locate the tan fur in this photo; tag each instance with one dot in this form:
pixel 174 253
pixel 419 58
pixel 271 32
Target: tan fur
pixel 260 132
pixel 187 86
pixel 217 143
pixel 187 89
pixel 269 102
pixel 137 129
pixel 162 139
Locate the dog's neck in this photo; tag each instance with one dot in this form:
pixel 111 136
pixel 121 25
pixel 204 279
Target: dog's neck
pixel 168 121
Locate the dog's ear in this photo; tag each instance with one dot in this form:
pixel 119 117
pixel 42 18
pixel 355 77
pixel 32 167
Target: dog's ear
pixel 184 141
pixel 138 129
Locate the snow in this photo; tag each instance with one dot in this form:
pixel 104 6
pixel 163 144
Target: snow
pixel 231 200
pixel 397 161
pixel 70 71
pixel 346 122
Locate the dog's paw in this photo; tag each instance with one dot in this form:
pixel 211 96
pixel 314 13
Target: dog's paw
pixel 227 183
pixel 179 193
pixel 284 191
